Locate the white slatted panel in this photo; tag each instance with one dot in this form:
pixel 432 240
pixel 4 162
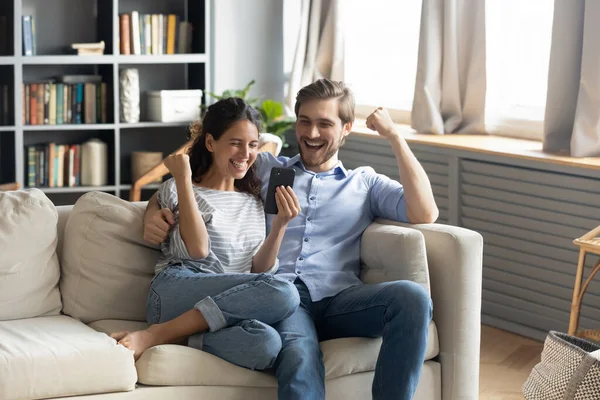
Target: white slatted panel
pixel 528 219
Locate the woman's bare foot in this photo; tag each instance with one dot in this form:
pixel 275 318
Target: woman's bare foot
pixel 119 335
pixel 141 341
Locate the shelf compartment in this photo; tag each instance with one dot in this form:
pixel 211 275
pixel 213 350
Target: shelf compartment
pixel 71 137
pixel 183 9
pixel 161 77
pixel 165 140
pixel 7 160
pixel 7 95
pixel 81 21
pixel 44 74
pixel 7 13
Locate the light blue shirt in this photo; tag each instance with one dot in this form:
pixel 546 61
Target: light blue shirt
pixel 321 246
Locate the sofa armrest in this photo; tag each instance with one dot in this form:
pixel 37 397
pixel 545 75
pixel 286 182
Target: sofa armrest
pixel 455 261
pixel 393 253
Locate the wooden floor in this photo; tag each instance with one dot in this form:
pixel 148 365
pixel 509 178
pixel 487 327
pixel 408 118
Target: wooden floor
pixel 506 361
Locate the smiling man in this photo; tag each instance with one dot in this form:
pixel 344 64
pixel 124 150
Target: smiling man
pixel 320 251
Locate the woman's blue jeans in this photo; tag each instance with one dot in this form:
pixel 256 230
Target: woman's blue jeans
pixel 239 310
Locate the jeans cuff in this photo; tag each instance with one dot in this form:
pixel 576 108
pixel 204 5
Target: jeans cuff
pixel 212 314
pixel 196 341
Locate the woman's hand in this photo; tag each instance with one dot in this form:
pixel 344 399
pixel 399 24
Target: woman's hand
pixel 179 166
pixel 287 206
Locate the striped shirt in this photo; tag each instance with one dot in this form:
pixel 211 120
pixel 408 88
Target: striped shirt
pixel 235 222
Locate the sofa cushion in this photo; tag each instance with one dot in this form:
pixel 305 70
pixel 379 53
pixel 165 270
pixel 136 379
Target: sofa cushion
pixel 390 252
pixel 179 365
pixel 59 356
pixel 106 265
pixel 29 270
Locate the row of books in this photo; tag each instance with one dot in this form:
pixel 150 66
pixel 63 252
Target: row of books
pixel 53 165
pixel 155 34
pixel 29 37
pixel 5 102
pixel 70 99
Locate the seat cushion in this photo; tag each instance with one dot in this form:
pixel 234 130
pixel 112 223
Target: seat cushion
pixel 29 270
pixel 106 265
pixel 180 365
pixel 59 356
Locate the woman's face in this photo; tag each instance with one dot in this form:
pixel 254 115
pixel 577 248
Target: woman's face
pixel 235 151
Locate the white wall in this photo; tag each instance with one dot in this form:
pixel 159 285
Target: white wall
pixel 248 44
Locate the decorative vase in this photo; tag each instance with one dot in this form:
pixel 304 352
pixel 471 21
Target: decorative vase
pixel 129 98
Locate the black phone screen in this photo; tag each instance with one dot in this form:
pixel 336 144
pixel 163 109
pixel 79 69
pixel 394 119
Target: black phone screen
pixel 279 177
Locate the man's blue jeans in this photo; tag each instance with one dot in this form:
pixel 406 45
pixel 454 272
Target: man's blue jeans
pixel 239 309
pixel 398 311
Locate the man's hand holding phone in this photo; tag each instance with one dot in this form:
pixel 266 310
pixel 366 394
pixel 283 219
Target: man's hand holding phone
pixel 287 206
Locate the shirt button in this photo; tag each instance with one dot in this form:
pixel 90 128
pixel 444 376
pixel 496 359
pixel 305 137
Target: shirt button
pixel 308 218
pixel 312 197
pixel 301 258
pixel 306 239
pixel 298 272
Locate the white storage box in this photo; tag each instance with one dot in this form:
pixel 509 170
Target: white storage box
pixel 174 105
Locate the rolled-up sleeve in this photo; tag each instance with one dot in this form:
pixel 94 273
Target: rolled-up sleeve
pixel 386 196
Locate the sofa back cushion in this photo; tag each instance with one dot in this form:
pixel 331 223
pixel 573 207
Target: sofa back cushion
pixel 29 270
pixel 106 265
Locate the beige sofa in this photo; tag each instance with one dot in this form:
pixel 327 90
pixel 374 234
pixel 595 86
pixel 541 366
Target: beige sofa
pixel 68 275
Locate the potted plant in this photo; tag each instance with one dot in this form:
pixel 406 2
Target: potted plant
pixel 274 119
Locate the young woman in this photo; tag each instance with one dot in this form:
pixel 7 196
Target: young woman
pixel 214 287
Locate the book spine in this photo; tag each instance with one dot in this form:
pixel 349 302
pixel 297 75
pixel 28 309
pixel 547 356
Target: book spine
pixel 135 32
pixel 79 104
pixel 171 28
pixel 60 103
pixel 52 106
pixel 27 36
pixel 46 103
pixel 31 166
pixel 125 40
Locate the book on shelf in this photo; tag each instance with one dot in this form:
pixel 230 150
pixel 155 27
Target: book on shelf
pixel 53 165
pixel 67 99
pixel 154 34
pixel 29 36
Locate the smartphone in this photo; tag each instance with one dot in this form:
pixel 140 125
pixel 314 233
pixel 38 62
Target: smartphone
pixel 279 177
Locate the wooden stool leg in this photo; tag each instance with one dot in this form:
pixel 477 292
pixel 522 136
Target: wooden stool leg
pixel 577 295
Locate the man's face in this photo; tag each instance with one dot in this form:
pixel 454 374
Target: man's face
pixel 319 132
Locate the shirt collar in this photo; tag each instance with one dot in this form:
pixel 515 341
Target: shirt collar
pixel 339 168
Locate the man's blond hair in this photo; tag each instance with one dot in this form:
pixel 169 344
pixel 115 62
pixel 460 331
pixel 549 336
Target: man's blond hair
pixel 324 89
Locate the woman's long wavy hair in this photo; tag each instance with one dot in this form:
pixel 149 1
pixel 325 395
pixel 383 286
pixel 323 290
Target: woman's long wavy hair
pixel 219 117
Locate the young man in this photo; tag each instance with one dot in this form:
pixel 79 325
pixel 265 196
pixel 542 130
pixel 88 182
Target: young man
pixel 320 252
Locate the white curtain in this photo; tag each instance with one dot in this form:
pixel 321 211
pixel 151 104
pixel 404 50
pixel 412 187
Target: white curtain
pixel 572 120
pixel 319 47
pixel 450 84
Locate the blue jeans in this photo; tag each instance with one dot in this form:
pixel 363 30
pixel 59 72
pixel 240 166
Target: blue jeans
pixel 239 310
pixel 398 311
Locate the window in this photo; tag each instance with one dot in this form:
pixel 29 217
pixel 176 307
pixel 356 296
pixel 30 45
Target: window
pixel 518 37
pixel 381 51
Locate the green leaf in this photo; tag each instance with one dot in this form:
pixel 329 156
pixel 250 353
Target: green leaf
pixel 245 91
pixel 272 109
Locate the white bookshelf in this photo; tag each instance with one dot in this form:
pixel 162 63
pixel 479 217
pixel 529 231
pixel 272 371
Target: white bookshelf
pixel 59 23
